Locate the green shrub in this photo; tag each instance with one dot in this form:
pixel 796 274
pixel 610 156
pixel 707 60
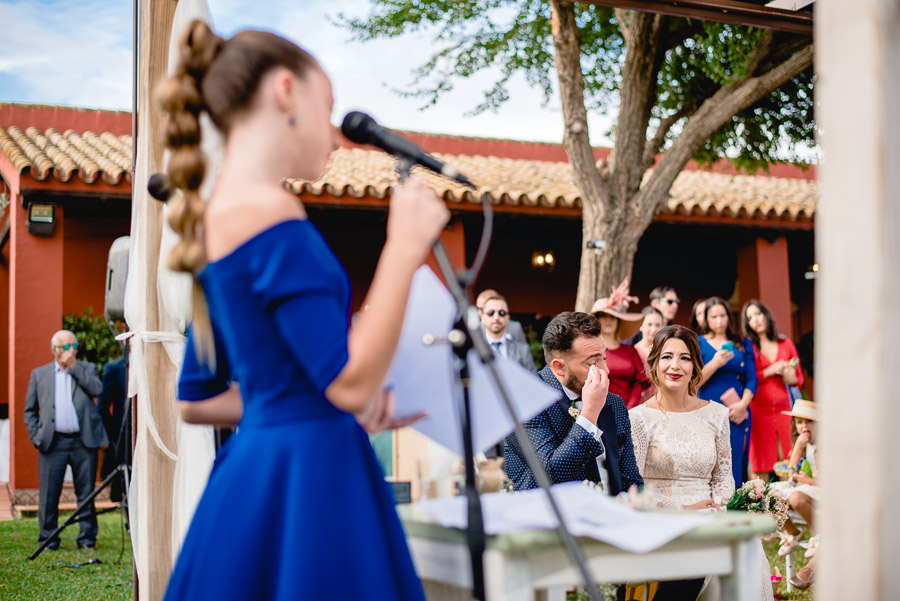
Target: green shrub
pixel 96 342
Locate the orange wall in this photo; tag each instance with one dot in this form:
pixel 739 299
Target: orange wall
pixel 35 314
pixel 86 249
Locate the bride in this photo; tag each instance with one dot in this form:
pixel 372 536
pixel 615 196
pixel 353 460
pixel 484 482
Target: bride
pixel 682 444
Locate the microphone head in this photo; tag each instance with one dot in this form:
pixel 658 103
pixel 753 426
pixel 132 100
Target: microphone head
pixel 360 128
pixel 159 187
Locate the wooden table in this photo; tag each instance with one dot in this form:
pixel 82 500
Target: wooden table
pixel 523 566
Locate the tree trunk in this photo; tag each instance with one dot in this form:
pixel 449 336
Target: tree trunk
pixel 603 268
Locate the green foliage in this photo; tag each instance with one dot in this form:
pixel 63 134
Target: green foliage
pixel 50 578
pixel 513 36
pixel 535 346
pixel 96 342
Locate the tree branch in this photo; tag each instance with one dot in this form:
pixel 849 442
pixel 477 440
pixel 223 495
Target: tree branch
pixel 715 112
pixel 760 53
pixel 622 18
pixel 654 145
pixel 567 42
pixel 638 94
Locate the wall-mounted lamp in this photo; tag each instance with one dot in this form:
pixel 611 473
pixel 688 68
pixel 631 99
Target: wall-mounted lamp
pixel 813 272
pixel 543 260
pixel 41 219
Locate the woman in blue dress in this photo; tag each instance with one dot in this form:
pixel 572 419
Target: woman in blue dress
pixel 729 377
pixel 296 506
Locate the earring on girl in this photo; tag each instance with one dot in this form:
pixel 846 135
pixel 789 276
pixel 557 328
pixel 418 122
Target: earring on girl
pixel 291 121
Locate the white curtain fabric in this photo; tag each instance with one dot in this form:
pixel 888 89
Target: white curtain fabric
pixel 195 452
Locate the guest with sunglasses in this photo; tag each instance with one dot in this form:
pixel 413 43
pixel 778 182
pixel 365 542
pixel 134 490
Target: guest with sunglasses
pixel 664 299
pixel 513 327
pixel 65 427
pixel 495 318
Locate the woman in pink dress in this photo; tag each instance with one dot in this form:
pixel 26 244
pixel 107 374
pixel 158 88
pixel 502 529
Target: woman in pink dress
pixel 777 366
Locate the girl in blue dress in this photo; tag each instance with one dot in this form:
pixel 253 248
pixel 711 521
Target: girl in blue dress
pixel 729 377
pixel 296 506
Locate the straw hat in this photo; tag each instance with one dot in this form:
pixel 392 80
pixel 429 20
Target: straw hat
pixel 804 409
pixel 616 304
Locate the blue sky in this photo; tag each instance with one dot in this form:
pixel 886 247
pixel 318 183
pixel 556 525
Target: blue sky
pixel 78 53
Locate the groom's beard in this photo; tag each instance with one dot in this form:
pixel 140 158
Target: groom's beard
pixel 573 382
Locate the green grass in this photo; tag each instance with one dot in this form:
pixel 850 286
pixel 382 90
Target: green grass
pixel 48 578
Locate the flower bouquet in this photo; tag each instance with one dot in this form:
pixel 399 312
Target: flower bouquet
pixel 756 496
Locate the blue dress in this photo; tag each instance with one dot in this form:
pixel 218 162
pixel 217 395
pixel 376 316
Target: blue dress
pixel 739 373
pixel 296 506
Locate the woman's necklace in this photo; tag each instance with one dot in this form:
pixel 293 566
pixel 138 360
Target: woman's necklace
pixel 662 408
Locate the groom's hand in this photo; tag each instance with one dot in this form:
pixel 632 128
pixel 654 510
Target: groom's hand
pixel 593 395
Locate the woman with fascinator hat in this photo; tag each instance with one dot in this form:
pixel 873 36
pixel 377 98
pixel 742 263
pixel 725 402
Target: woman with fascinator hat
pixel 627 377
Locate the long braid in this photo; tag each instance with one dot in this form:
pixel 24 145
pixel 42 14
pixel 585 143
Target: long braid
pixel 181 98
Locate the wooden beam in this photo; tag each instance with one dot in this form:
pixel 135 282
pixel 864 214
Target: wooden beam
pixel 721 11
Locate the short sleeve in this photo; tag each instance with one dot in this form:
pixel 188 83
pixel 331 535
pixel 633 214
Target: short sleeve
pixel 307 292
pixel 200 380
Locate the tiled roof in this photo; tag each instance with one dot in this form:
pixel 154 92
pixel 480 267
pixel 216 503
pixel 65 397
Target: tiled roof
pixel 357 173
pixel 64 155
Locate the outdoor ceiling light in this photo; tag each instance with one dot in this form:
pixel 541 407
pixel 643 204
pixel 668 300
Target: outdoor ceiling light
pixel 543 260
pixel 41 219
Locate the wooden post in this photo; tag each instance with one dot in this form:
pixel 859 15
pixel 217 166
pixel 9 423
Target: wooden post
pixel 156 472
pixel 857 292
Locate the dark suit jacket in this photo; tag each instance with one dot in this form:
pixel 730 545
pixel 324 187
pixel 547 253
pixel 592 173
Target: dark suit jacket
pixel 568 453
pixel 112 400
pixel 40 405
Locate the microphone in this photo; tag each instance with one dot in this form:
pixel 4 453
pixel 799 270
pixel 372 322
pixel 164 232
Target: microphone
pixel 160 187
pixel 361 128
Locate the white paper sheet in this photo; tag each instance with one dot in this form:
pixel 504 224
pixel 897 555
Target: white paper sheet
pixel 422 376
pixel 587 512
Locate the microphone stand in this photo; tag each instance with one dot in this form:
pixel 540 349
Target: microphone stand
pixel 466 335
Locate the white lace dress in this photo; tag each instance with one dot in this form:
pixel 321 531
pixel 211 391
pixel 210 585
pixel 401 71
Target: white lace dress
pixel 686 458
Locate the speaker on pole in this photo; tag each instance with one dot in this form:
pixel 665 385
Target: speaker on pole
pixel 116 274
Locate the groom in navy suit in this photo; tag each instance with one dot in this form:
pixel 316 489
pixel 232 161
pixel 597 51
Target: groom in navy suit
pixel 586 434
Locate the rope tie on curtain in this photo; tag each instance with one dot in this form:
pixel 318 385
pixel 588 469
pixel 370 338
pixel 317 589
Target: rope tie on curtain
pixel 138 380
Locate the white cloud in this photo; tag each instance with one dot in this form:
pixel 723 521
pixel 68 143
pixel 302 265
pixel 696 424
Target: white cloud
pixel 79 53
pixel 68 53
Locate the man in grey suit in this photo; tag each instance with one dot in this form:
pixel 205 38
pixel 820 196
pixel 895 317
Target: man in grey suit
pixel 66 428
pixel 495 317
pixel 513 327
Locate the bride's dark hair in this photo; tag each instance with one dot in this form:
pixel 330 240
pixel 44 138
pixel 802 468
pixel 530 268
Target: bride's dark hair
pixel 220 77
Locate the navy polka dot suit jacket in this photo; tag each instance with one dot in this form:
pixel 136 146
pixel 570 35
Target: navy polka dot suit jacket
pixel 568 452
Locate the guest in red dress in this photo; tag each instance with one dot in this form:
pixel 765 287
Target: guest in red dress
pixel 777 366
pixel 627 377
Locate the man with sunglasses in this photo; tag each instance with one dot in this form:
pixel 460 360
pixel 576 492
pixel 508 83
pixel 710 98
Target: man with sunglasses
pixel 513 327
pixel 65 426
pixel 666 300
pixel 495 317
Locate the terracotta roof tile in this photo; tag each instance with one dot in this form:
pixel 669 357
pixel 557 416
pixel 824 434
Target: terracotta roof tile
pixel 359 173
pixel 64 155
